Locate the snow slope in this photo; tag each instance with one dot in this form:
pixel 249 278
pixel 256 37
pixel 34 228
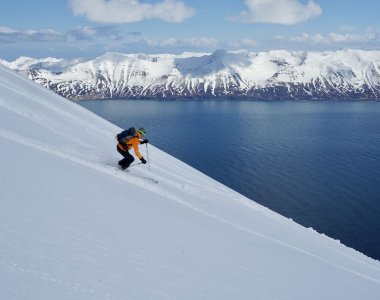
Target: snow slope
pixel 72 226
pixel 332 75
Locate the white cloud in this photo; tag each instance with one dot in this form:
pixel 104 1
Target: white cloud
pixel 88 33
pixel 192 42
pixel 244 42
pixel 201 42
pixel 126 11
pixel 168 42
pixel 248 42
pixel 330 38
pixel 10 35
pixel 285 12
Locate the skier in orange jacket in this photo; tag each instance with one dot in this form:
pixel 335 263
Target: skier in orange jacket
pixel 134 143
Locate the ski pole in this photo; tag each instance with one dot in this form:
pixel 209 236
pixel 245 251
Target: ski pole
pixel 147 153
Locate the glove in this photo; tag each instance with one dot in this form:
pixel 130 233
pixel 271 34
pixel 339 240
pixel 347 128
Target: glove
pixel 144 141
pixel 143 160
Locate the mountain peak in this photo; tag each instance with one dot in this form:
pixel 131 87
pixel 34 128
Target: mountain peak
pixel 277 74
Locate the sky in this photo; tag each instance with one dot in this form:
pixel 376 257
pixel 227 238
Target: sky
pixel 89 28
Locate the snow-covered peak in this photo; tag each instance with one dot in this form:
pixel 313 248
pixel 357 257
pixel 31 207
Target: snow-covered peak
pixel 73 226
pixel 24 63
pixel 278 74
pixel 4 62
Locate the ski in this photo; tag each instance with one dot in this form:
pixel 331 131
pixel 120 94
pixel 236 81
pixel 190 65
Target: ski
pixel 151 180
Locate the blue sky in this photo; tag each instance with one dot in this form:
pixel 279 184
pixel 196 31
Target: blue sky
pixel 89 28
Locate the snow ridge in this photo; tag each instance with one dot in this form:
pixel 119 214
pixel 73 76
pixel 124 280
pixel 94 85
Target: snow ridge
pixel 341 75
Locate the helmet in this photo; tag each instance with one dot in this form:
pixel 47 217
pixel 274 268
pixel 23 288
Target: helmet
pixel 142 130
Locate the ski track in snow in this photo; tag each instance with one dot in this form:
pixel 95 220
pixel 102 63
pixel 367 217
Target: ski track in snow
pixel 82 161
pixel 159 189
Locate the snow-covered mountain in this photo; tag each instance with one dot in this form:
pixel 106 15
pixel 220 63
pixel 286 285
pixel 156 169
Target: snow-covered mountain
pixel 72 226
pixel 341 75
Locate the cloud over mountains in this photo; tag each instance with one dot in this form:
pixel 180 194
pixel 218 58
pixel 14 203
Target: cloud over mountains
pixel 126 11
pixel 285 12
pixel 10 35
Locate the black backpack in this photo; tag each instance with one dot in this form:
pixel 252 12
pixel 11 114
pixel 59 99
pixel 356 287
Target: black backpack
pixel 124 136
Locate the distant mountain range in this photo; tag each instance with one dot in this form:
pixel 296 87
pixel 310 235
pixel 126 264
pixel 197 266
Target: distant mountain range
pixel 340 75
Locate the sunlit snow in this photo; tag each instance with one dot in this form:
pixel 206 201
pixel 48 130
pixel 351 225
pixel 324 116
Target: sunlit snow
pixel 73 226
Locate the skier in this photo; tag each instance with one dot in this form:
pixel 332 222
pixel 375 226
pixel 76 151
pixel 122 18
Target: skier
pixel 134 142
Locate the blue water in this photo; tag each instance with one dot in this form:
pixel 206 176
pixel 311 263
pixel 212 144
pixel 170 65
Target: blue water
pixel 315 162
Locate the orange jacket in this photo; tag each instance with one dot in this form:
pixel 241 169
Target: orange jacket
pixel 133 142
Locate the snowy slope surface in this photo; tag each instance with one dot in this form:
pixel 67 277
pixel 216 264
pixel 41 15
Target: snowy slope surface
pixel 72 226
pixel 338 75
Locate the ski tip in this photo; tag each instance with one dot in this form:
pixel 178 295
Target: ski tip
pixel 152 180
